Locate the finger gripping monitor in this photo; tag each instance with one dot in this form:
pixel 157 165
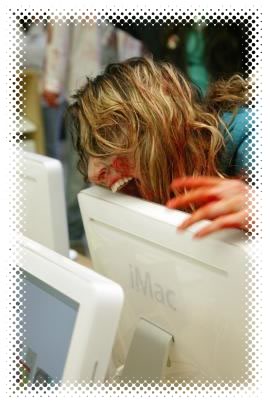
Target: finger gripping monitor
pixel 70 318
pixel 184 298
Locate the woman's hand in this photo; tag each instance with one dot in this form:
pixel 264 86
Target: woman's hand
pixel 51 98
pixel 222 200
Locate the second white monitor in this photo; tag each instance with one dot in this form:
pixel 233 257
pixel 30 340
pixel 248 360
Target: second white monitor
pixel 45 216
pixel 70 317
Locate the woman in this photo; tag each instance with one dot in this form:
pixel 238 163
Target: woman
pixel 142 128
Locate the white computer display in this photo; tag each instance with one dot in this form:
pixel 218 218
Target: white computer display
pixel 70 317
pixel 193 289
pixel 45 217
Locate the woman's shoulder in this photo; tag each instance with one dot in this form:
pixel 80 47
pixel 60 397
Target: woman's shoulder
pixel 235 158
pixel 238 124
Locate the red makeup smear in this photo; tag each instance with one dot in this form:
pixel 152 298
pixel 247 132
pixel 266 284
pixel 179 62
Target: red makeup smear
pixel 122 165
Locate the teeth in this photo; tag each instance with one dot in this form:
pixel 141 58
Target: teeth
pixel 119 184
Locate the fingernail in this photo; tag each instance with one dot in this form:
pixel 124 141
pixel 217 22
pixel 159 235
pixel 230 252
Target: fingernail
pixel 184 225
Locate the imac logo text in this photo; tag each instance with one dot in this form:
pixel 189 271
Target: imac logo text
pixel 142 282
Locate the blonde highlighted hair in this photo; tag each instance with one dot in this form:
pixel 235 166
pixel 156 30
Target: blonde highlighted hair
pixel 149 110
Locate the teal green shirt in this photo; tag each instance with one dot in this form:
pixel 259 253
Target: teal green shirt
pixel 235 159
pixel 196 68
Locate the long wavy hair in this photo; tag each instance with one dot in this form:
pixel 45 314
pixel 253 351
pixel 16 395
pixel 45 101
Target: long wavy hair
pixel 149 110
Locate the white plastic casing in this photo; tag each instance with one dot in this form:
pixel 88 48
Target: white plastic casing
pixel 193 289
pixel 45 217
pixel 100 302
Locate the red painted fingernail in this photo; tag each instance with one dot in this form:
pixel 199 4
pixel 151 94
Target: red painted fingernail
pixel 185 224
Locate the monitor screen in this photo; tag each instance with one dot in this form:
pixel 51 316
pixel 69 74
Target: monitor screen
pixel 49 318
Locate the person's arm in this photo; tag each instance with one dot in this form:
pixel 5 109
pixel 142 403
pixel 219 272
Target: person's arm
pixel 128 46
pixel 224 201
pixel 56 62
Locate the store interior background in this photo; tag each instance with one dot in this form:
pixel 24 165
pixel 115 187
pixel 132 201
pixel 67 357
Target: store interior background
pixel 203 52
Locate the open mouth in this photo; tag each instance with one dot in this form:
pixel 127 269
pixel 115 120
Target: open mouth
pixel 119 184
pixel 128 186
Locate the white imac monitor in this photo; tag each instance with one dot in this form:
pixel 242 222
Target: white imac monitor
pixel 70 318
pixel 184 311
pixel 45 217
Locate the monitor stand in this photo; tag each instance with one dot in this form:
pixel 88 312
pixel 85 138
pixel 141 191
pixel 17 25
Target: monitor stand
pixel 148 355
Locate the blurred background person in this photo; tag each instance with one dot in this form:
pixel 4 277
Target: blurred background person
pixel 72 54
pixel 203 52
pixel 54 103
pixel 35 39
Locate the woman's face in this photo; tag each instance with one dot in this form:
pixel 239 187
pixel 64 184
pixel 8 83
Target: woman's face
pixel 114 172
